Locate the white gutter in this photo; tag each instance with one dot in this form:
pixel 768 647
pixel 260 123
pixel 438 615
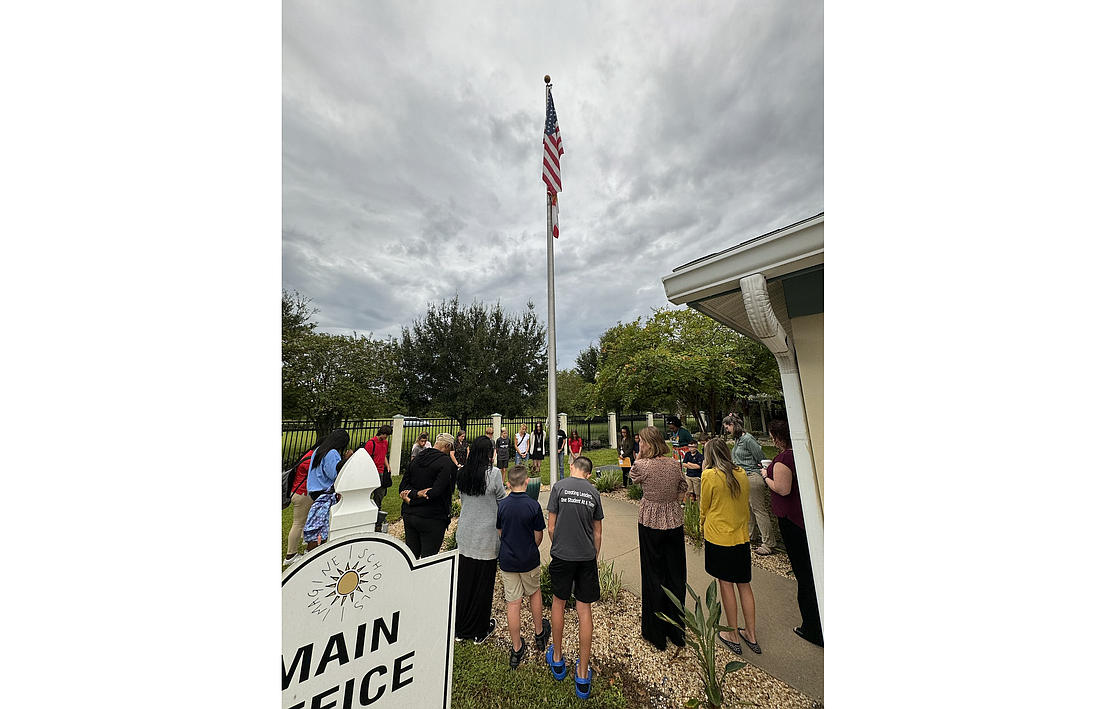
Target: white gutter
pixel 762 320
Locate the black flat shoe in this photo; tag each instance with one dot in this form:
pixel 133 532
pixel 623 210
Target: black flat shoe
pixel 807 638
pixel 735 648
pixel 517 655
pixel 755 647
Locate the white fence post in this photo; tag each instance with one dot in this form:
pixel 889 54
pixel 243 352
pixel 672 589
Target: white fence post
pixel 395 444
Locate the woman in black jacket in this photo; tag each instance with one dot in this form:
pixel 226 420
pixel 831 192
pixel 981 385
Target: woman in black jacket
pixel 426 497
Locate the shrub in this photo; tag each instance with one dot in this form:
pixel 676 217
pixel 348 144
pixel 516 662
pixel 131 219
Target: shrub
pixel 634 492
pixel 611 583
pixel 702 628
pixel 449 541
pixel 609 481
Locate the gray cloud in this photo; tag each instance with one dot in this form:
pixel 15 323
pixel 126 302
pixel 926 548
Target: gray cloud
pixel 412 151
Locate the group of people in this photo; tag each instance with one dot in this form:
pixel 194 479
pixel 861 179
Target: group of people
pixel 503 528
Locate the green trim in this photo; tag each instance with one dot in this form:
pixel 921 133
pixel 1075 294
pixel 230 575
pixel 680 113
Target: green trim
pixel 805 293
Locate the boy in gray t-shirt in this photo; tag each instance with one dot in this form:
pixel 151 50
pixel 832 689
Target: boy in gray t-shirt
pixel 576 530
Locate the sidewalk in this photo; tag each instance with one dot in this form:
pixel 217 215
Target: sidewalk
pixel 786 656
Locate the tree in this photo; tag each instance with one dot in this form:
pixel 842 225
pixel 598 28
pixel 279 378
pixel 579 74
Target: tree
pixel 462 360
pixel 588 363
pixel 574 394
pixel 327 378
pixel 684 360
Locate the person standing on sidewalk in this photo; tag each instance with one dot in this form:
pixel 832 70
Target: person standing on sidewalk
pixel 724 520
pixel 660 537
pixel 748 454
pixel 782 480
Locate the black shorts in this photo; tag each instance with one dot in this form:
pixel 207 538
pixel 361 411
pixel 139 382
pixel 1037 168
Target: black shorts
pixel 731 564
pixel 575 578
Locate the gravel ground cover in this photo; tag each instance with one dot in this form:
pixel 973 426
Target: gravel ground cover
pixel 662 679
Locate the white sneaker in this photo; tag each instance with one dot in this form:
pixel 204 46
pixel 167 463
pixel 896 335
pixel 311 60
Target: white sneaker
pixel 292 560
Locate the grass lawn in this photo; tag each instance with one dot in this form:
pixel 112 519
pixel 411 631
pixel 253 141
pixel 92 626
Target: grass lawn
pixel 482 680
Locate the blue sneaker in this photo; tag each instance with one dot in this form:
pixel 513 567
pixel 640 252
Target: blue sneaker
pixel 557 669
pixel 583 686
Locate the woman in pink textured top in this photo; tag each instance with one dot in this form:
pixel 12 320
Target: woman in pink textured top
pixel 660 537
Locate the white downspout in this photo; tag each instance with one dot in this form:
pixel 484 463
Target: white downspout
pixel 762 320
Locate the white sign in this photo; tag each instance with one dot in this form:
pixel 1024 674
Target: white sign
pixel 366 625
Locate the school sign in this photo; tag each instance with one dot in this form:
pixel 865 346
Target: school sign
pixel 365 624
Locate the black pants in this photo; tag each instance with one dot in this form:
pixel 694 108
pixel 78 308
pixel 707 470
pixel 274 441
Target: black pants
pixel 626 476
pixel 474 602
pixel 424 536
pixel 794 537
pixel 664 563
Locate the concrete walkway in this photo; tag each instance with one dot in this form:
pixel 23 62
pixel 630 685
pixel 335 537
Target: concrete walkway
pixel 786 656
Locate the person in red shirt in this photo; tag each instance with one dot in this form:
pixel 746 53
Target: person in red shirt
pixel 379 449
pixel 301 501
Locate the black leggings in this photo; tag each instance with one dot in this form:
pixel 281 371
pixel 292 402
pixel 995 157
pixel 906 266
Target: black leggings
pixel 424 536
pixel 798 551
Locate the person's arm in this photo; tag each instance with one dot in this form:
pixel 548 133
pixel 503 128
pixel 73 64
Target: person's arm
pixel 453 458
pixel 637 472
pixel 498 488
pixel 597 534
pixel 755 450
pixel 782 481
pixel 538 537
pixel 550 524
pixel 705 495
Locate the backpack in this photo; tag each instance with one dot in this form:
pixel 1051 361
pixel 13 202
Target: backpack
pixel 288 480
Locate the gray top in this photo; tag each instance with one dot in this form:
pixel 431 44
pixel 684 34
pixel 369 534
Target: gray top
pixel 576 502
pixel 747 453
pixel 476 535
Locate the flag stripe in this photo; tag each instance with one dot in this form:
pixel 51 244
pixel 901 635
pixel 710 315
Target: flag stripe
pixel 552 149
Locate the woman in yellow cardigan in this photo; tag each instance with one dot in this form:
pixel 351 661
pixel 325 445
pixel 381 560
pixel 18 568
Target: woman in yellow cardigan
pixel 724 519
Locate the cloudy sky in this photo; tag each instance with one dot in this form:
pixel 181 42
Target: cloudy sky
pixel 412 151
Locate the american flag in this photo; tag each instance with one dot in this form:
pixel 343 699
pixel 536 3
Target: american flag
pixel 551 154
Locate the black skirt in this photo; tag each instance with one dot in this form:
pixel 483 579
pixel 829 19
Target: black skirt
pixel 731 564
pixel 476 579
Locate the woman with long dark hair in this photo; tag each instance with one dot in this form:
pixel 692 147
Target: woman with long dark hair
pixel 626 454
pixel 782 480
pixel 480 487
pixel 724 520
pixel 462 446
pixel 660 537
pixel 538 450
pixel 327 461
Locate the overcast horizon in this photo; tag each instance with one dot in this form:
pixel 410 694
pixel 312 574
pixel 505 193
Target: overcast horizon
pixel 412 152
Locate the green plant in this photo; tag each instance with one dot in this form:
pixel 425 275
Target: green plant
pixel 608 480
pixel 456 505
pixel 702 628
pixel 611 583
pixel 449 541
pixel 634 492
pixel 691 523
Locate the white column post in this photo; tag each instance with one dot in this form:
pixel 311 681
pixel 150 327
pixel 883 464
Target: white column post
pixel 648 418
pixel 612 429
pixel 496 429
pixel 395 444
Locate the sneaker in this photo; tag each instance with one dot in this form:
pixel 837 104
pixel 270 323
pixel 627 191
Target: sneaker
pixel 292 560
pixel 492 627
pixel 544 637
pixel 516 656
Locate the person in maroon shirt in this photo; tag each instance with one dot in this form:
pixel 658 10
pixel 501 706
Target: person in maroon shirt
pixel 787 506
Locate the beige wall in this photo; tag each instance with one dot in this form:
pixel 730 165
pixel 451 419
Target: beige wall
pixel 809 346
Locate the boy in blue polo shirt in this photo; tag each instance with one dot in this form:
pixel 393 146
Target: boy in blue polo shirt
pixel 520 525
pixel 576 530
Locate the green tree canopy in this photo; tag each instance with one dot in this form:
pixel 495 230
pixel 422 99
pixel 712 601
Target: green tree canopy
pixel 467 360
pixel 327 378
pixel 682 360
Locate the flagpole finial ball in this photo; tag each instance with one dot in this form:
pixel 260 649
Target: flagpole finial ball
pixel 546 78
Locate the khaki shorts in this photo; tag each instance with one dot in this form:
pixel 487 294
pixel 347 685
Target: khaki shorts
pixel 518 584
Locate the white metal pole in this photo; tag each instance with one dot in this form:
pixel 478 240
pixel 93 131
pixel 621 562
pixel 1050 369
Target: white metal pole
pixel 551 345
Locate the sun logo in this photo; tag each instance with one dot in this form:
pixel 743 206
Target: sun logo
pixel 345 584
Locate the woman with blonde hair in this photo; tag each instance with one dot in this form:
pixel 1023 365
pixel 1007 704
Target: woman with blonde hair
pixel 748 454
pixel 724 519
pixel 523 445
pixel 660 537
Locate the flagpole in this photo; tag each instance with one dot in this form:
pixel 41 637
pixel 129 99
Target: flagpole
pixel 551 344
